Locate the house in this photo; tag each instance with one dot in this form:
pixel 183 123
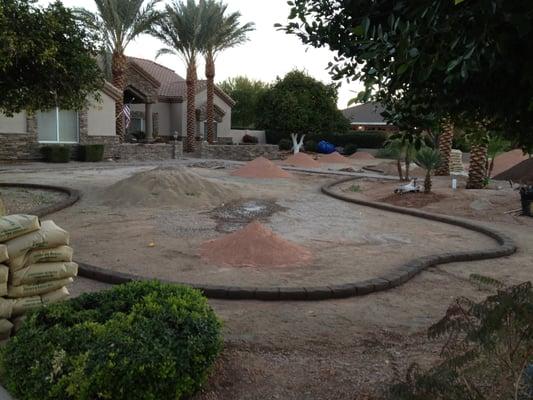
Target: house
pixel 156 95
pixel 367 117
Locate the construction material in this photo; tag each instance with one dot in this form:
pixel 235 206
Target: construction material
pixel 302 160
pixel 22 305
pixel 362 155
pixel 456 163
pixel 58 254
pixel 261 168
pixel 3 253
pixel 44 272
pixel 254 246
pixel 521 173
pixel 36 288
pixel 12 226
pixel 508 160
pixel 50 235
pixel 5 329
pixel 334 158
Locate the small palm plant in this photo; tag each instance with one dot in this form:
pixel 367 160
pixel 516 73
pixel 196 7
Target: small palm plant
pixel 429 159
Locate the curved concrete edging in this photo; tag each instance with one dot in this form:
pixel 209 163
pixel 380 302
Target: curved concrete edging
pixel 392 279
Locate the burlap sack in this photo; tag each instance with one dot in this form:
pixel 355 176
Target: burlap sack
pixel 49 236
pixel 37 288
pixel 57 254
pixel 25 304
pixel 4 273
pixel 12 226
pixel 37 273
pixel 17 323
pixel 55 296
pixel 5 329
pixel 3 289
pixel 6 308
pixel 3 253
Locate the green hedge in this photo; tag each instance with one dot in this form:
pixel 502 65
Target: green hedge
pixel 137 341
pixel 56 153
pixel 91 152
pixel 361 139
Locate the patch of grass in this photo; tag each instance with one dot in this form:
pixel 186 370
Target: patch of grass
pixel 355 189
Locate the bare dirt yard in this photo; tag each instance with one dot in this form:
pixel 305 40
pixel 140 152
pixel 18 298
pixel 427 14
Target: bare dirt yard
pixel 335 349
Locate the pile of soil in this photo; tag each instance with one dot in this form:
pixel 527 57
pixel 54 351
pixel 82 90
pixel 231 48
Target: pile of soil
pixel 254 246
pixel 505 161
pixel 413 200
pixel 168 186
pixel 261 168
pixel 362 155
pixel 521 173
pixel 334 158
pixel 302 160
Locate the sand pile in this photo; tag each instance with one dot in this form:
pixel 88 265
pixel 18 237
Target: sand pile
pixel 334 158
pixel 302 160
pixel 167 186
pixel 261 168
pixel 254 246
pixel 362 155
pixel 521 173
pixel 508 160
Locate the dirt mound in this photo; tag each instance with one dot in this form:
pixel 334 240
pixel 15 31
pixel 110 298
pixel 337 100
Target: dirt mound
pixel 254 246
pixel 362 155
pixel 261 168
pixel 302 160
pixel 168 186
pixel 521 173
pixel 508 160
pixel 334 158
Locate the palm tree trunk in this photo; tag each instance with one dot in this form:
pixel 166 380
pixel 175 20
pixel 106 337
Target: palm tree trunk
pixel 399 166
pixel 477 170
pixel 191 106
pixel 407 164
pixel 445 149
pixel 118 68
pixel 210 75
pixel 427 182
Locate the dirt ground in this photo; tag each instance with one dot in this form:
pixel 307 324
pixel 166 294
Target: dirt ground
pixel 335 349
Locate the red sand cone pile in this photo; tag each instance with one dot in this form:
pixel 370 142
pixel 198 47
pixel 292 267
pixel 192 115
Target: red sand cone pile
pixel 334 158
pixel 261 168
pixel 521 173
pixel 362 155
pixel 254 246
pixel 302 160
pixel 508 160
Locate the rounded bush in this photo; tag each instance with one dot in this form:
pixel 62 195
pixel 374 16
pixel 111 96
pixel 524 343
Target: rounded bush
pixel 250 139
pixel 142 340
pixel 285 144
pixel 350 149
pixel 56 153
pixel 310 145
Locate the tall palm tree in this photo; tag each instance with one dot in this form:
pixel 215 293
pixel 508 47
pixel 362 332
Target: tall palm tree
pixel 223 31
pixel 477 135
pixel 428 159
pixel 445 148
pixel 182 30
pixel 120 22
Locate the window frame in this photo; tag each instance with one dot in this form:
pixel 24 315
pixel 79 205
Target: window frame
pixel 57 141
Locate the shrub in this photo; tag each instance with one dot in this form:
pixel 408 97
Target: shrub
pixel 350 149
pixel 250 139
pixel 142 340
pixel 369 140
pixel 273 137
pixel 92 152
pixel 56 154
pixel 388 152
pixel 285 144
pixel 310 145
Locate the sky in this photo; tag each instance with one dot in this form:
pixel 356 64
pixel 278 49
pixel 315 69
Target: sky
pixel 268 54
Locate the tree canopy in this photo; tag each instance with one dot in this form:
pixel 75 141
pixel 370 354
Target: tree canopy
pixel 46 58
pixel 300 104
pixel 469 59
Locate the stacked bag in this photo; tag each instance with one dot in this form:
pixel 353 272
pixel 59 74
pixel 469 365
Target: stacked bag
pixel 35 267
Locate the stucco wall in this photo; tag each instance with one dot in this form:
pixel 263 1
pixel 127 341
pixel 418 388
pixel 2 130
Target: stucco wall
pixel 101 117
pixel 224 127
pixel 15 124
pixel 163 109
pixel 237 135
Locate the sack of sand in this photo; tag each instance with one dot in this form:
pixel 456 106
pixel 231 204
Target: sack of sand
pixel 49 236
pixel 34 289
pixel 5 329
pixel 21 306
pixel 12 226
pixel 56 254
pixel 44 272
pixel 4 276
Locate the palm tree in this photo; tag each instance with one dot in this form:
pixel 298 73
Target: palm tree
pixel 429 159
pixel 445 148
pixel 223 32
pixel 120 22
pixel 401 149
pixel 182 30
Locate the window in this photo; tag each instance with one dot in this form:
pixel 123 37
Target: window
pixel 136 125
pixel 58 126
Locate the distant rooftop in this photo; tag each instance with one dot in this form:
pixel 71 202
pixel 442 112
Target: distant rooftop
pixel 367 113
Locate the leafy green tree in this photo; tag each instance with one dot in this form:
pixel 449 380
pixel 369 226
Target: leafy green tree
pixel 46 58
pixel 246 93
pixel 224 31
pixel 472 58
pixel 120 22
pixel 300 104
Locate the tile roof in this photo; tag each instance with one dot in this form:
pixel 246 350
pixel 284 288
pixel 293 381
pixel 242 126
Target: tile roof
pixel 365 113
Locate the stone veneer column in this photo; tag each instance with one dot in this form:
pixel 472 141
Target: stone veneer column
pixel 83 127
pixel 148 121
pixel 31 126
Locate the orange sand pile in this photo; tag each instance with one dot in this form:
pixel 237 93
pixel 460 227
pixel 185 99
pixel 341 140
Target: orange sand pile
pixel 302 160
pixel 261 168
pixel 362 155
pixel 505 161
pixel 334 158
pixel 254 246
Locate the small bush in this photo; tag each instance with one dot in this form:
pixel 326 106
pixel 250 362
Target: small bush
pixel 249 139
pixel 388 152
pixel 285 144
pixel 142 340
pixel 273 137
pixel 350 149
pixel 56 154
pixel 92 152
pixel 310 145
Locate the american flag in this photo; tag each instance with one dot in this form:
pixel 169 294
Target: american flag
pixel 127 115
